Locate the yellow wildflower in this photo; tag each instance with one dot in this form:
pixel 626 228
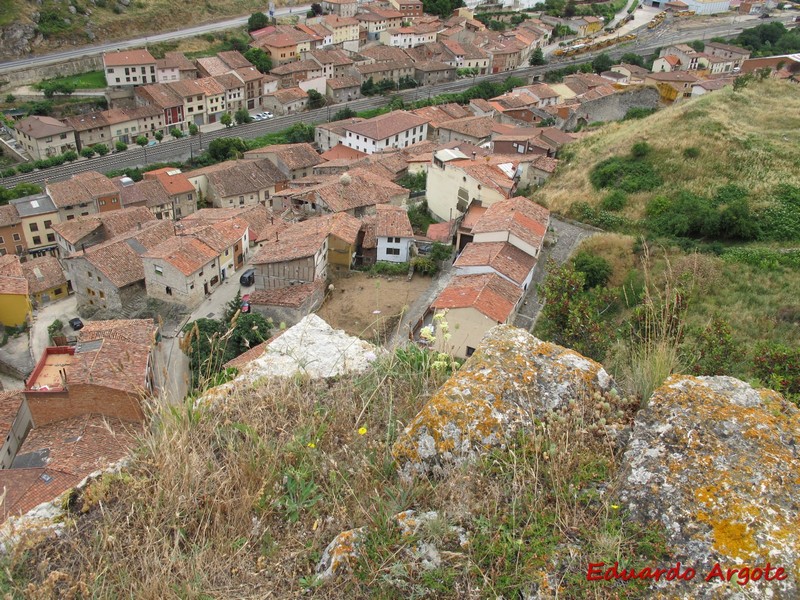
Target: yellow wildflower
pixel 362 430
pixel 311 445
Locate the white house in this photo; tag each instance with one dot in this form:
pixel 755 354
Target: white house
pixel 391 233
pixel 519 221
pixel 398 129
pixel 501 258
pixel 129 68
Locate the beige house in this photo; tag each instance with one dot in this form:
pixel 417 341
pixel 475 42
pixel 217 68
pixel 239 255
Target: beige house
pixel 470 305
pixel 345 29
pixel 182 270
pixel 42 137
pixel 341 8
pixel 229 238
pixel 286 101
pixel 84 194
pixel 517 221
pixel 238 183
pixel 293 160
pixel 129 68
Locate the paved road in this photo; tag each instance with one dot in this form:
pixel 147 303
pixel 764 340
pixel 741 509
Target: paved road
pixel 569 237
pixel 96 50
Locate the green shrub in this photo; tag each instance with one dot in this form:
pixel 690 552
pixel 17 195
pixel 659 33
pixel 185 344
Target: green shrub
pixel 441 252
pixel 10 172
pixel 70 155
pixel 596 269
pixel 25 168
pixel 685 215
pixel 583 211
pixel 778 366
pixel 87 152
pixel 640 150
pixel 638 113
pixel 101 149
pixel 691 153
pixel 781 220
pixel 767 259
pixel 120 146
pixel 626 174
pixel 714 350
pixel 42 163
pixel 176 133
pixel 389 268
pixel 615 200
pixel 425 265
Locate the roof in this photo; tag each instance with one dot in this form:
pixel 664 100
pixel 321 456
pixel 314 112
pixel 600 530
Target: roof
pixel 476 127
pixel 305 238
pixel 504 258
pixel 43 273
pixel 115 222
pixel 383 53
pixel 680 76
pixel 10 401
pixel 82 187
pixel 287 95
pixel 12 278
pixel 256 351
pixel 632 69
pixel 488 293
pixel 185 253
pixel 294 156
pixel 298 66
pixel 341 83
pixel 440 232
pixel 135 331
pixel 229 81
pixel 119 258
pixel 159 94
pixel 519 216
pixel 173 180
pixel 727 47
pixel 234 59
pixel 37 204
pixel 210 86
pixel 714 84
pixel 213 65
pixel 338 127
pixel 392 221
pixel 291 296
pixel 357 188
pixel 441 113
pixel 340 151
pixel 337 21
pixel 384 126
pixel 234 178
pixel 39 127
pixel 127 58
pixel 10 216
pixel 672 60
pixel 148 193
pixel 175 60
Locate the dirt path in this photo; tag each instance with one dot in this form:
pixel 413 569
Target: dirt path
pixel 569 237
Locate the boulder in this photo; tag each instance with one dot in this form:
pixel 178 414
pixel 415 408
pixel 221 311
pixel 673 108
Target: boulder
pixel 510 380
pixel 340 555
pixel 716 462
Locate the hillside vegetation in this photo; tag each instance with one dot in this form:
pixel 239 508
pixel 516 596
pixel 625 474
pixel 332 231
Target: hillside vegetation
pixel 702 205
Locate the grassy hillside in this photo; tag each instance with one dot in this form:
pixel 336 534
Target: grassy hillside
pixel 750 137
pixel 703 200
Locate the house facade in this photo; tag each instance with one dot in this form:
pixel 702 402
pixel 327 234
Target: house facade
pixel 128 68
pixel 43 137
pixel 398 129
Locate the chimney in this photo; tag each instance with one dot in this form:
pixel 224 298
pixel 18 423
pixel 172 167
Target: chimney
pixel 272 220
pixel 474 155
pixel 276 237
pixel 139 224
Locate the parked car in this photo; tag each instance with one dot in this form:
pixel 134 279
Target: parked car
pixel 76 324
pixel 268 115
pixel 246 303
pixel 258 118
pixel 248 278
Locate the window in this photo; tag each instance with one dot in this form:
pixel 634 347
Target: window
pixel 102 294
pixel 58 291
pixel 2 241
pixel 34 226
pixel 47 224
pixel 37 239
pixel 200 273
pixel 16 237
pixel 18 249
pixel 158 270
pixel 168 290
pixel 51 237
pixel 470 351
pixel 393 251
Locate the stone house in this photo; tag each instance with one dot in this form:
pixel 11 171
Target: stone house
pixel 286 101
pixel 182 270
pixel 83 232
pixel 84 194
pixel 343 89
pixel 288 304
pixel 293 160
pixel 238 183
pixel 474 130
pixel 173 67
pixel 181 195
pixel 229 238
pixel 341 8
pixel 43 137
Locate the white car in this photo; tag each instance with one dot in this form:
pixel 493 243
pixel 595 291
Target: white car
pixel 268 115
pixel 258 118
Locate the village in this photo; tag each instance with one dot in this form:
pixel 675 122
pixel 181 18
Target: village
pixel 415 224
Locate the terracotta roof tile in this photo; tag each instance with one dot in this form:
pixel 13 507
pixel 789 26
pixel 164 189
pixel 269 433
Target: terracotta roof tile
pixel 340 151
pixel 440 232
pixel 294 156
pixel 519 216
pixel 477 127
pixel 83 187
pixel 392 221
pixel 43 273
pixel 489 294
pixel 136 331
pixel 291 296
pixel 384 126
pixel 127 58
pixel 10 401
pixel 504 258
pixel 303 239
pixel 186 253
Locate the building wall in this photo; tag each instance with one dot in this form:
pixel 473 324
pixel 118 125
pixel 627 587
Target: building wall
pixel 167 75
pixel 445 185
pixel 131 75
pixel 125 131
pixel 466 327
pixel 614 106
pixel 94 291
pixel 42 223
pixel 15 309
pixel 40 148
pixel 171 285
pixel 51 295
pixel 385 244
pixel 12 239
pixel 401 140
pixel 345 9
pixel 505 236
pixel 304 270
pixel 85 399
pixel 249 199
pixel 19 430
pixel 344 94
pixel 340 254
pixel 90 137
pixel 290 315
pixel 327 139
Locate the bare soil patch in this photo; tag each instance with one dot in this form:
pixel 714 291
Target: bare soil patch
pixel 370 307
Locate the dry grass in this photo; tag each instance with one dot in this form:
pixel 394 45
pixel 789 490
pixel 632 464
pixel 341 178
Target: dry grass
pixel 751 138
pixel 240 499
pixel 617 249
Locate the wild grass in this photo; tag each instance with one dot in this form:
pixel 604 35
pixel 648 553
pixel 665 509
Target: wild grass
pixel 239 498
pixel 92 80
pixel 751 137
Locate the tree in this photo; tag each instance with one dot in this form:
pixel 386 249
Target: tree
pixel 159 135
pixel 537 58
pixel 260 59
pixel 602 63
pixel 193 129
pixel 596 269
pixel 223 149
pixel 345 113
pixel 226 119
pixel 631 58
pixel 242 116
pixel 87 152
pixel 697 45
pixel 368 87
pixel 569 9
pixel 300 132
pixel 120 146
pixel 316 9
pixel 315 100
pixel 142 141
pixel 232 307
pixel 70 155
pixel 101 149
pixel 257 21
pixel 176 133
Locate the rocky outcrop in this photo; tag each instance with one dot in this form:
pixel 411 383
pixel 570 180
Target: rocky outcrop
pixel 717 463
pixel 18 39
pixel 340 555
pixel 512 379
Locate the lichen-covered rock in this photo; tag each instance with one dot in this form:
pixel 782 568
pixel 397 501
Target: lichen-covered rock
pixel 341 554
pixel 717 463
pixel 511 379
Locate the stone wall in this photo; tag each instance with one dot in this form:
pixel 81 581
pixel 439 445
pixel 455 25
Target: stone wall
pixel 30 75
pixel 613 107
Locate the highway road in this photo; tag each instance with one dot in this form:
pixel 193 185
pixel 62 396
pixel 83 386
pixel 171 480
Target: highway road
pixel 96 50
pixel 183 148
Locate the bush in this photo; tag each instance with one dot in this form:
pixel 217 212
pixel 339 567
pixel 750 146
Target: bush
pixel 615 200
pixel 25 168
pixel 781 220
pixel 596 269
pixel 691 153
pixel 42 163
pixel 441 252
pixel 627 174
pixel 101 149
pixel 778 366
pixel 583 211
pixel 10 172
pixel 176 133
pixel 638 113
pixel 70 155
pixel 55 328
pixel 687 215
pixel 640 150
pixel 87 152
pixel 425 265
pixel 345 113
pixel 714 349
pixel 120 146
pixel 389 268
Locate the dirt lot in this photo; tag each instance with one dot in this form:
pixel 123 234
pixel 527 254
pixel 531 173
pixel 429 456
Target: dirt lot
pixel 355 299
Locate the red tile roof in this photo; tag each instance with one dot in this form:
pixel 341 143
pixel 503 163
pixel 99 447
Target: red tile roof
pixel 10 401
pixel 173 180
pixel 504 258
pixel 305 238
pixel 12 277
pixel 186 253
pixel 518 216
pixel 127 58
pixel 43 273
pixel 392 221
pixel 292 296
pixel 136 331
pixel 340 151
pixel 384 126
pixel 489 294
pixel 440 232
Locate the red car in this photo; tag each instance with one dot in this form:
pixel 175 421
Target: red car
pixel 246 303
